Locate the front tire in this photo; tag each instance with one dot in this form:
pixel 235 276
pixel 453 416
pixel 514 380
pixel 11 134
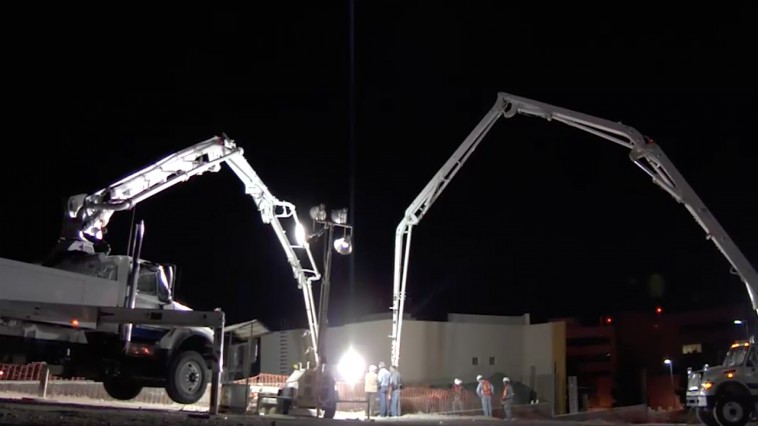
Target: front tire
pixel 121 389
pixel 187 378
pixel 706 417
pixel 730 411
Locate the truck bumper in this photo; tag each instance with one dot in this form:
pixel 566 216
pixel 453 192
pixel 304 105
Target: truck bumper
pixel 700 401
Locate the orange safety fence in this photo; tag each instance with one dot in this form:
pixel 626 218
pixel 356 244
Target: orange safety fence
pixel 26 372
pixel 416 399
pixel 264 379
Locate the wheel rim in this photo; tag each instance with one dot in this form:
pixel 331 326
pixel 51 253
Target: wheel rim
pixel 732 411
pixel 190 376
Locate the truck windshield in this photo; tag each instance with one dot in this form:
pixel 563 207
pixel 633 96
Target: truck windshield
pixel 736 355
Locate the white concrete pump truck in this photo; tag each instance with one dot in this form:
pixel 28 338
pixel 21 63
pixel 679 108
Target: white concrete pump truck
pixel 46 310
pixel 726 395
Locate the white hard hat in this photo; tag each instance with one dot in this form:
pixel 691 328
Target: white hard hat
pixel 505 379
pixel 458 381
pixel 479 377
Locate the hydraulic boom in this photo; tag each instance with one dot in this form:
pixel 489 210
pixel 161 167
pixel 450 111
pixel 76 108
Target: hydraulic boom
pixel 645 153
pixel 88 215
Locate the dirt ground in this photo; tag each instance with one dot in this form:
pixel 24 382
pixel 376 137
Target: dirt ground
pixel 20 410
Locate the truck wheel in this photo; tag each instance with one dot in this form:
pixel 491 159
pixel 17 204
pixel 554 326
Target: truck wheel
pixel 330 405
pixel 706 417
pixel 121 389
pixel 730 411
pixel 187 378
pixel 330 411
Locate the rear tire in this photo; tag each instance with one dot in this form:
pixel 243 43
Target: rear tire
pixel 187 378
pixel 330 411
pixel 121 389
pixel 330 404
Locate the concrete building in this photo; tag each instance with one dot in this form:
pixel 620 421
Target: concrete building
pixel 619 361
pixel 433 353
pixel 591 357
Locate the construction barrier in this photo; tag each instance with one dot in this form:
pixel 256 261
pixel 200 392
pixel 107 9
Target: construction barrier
pixel 26 372
pixel 413 399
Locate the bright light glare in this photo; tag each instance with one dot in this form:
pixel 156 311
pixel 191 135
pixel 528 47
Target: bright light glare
pixel 351 366
pixel 343 246
pixel 300 234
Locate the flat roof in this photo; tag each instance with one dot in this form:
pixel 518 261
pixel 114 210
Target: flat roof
pixel 247 330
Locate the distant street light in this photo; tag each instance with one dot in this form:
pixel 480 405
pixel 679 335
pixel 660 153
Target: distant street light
pixel 747 331
pixel 668 362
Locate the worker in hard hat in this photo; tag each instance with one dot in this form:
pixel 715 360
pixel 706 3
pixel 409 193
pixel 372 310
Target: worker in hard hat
pixel 457 395
pixel 507 398
pixel 484 391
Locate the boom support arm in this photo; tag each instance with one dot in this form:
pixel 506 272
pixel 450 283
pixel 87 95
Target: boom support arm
pixel 645 153
pixel 88 215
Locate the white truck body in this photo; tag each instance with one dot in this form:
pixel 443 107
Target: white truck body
pixel 29 283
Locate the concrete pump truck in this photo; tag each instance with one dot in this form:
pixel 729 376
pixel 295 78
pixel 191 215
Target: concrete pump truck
pixel 725 395
pixel 46 309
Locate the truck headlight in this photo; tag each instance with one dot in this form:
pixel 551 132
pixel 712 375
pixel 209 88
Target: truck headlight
pixel 140 350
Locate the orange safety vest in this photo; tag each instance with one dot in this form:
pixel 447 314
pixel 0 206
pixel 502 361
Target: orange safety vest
pixel 486 388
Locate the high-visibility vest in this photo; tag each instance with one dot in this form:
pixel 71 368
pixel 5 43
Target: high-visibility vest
pixel 486 388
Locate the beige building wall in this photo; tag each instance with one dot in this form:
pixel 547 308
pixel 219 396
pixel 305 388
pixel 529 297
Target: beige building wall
pixel 544 362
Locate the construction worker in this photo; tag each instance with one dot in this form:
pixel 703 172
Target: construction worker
pixel 371 382
pixel 507 398
pixel 396 384
pixel 383 378
pixel 484 390
pixel 457 395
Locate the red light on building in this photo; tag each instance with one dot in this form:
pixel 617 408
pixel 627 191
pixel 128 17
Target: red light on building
pixel 608 320
pixel 658 310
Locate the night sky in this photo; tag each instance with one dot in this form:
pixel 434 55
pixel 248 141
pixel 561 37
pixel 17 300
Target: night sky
pixel 542 218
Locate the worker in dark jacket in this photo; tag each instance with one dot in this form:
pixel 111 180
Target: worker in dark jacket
pixel 396 384
pixel 507 398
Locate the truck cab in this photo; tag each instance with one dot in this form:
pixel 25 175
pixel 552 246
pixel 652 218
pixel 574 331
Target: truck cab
pixel 155 355
pixel 726 395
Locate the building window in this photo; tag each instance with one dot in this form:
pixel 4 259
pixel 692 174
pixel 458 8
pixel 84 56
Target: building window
pixel 692 349
pixel 492 360
pixel 475 361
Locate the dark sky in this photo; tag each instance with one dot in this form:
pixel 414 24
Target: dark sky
pixel 542 218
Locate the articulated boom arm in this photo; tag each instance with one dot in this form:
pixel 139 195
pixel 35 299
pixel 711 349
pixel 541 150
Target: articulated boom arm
pixel 643 152
pixel 88 215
